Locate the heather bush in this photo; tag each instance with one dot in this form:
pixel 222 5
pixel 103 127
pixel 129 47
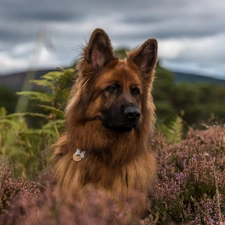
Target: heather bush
pixel 51 208
pixel 190 186
pixel 11 188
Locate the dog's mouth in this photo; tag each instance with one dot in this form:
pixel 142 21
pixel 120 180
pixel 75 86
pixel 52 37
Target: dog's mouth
pixel 116 127
pixel 121 128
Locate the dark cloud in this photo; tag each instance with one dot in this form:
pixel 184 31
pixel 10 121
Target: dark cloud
pixel 178 24
pixel 46 16
pixel 39 10
pixel 186 30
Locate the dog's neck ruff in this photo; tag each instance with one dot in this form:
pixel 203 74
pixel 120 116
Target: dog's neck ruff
pixel 78 155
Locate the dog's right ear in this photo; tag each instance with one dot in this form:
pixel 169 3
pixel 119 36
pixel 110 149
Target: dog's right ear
pixel 99 50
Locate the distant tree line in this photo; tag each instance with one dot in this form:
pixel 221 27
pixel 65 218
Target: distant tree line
pixel 194 102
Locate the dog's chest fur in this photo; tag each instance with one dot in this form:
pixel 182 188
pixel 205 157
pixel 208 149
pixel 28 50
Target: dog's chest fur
pixel 117 179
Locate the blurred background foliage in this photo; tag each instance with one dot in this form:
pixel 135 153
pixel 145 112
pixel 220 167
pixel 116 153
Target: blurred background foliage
pixel 197 102
pixel 194 102
pixel 26 137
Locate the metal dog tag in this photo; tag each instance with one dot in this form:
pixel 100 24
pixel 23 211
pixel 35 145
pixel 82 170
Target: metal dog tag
pixel 76 158
pixel 78 155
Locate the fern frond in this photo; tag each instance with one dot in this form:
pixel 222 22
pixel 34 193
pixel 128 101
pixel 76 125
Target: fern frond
pixel 52 76
pixel 48 80
pixel 53 109
pixel 36 95
pixel 173 132
pixel 176 129
pixel 25 114
pixel 43 83
pixel 50 125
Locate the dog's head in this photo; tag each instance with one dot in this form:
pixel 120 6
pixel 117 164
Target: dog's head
pixel 113 91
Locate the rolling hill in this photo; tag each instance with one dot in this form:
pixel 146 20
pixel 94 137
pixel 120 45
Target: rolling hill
pixel 15 81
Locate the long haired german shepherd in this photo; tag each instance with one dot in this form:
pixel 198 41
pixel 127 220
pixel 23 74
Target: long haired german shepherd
pixel 109 124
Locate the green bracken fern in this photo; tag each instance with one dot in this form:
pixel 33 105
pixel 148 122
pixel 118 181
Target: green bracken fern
pixel 173 132
pixel 26 148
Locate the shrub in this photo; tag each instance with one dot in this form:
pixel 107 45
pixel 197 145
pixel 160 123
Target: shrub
pixel 26 148
pixel 190 186
pixel 11 188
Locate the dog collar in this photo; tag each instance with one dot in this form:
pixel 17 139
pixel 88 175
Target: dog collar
pixel 78 155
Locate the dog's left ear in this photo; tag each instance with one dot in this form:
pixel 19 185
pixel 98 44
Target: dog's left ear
pixel 145 57
pixel 99 50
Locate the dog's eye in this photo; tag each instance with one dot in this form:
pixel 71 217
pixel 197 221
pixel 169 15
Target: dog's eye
pixel 111 88
pixel 135 91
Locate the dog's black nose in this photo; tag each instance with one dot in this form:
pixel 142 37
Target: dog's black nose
pixel 132 113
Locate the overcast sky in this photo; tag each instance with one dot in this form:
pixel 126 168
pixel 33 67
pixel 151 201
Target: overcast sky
pixel 50 33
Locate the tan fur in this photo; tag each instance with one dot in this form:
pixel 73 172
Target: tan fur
pixel 117 163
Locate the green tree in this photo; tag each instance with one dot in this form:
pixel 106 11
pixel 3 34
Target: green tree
pixel 163 92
